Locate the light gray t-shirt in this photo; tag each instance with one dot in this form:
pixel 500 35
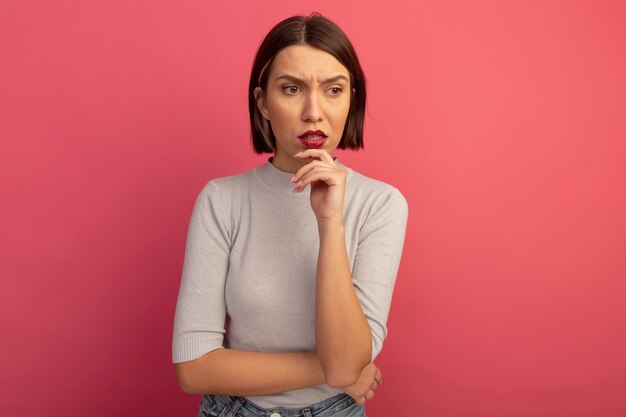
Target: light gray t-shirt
pixel 251 255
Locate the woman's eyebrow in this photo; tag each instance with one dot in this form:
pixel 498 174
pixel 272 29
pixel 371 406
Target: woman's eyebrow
pixel 298 80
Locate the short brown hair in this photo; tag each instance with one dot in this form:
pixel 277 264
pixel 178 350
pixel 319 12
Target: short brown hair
pixel 319 32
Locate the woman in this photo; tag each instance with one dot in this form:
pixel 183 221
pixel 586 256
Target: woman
pixel 289 268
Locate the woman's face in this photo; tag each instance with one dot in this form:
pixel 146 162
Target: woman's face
pixel 306 101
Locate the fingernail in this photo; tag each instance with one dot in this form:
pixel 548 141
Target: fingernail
pixel 292 179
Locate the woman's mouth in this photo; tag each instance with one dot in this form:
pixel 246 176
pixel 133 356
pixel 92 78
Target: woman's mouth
pixel 313 138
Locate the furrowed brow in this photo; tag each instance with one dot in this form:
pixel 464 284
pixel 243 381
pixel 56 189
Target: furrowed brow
pixel 293 79
pixel 335 79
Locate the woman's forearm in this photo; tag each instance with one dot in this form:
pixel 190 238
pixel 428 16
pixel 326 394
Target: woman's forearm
pixel 246 373
pixel 343 336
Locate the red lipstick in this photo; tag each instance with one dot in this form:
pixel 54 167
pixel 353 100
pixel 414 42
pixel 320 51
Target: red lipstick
pixel 313 138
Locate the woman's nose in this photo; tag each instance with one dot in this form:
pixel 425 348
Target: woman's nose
pixel 312 110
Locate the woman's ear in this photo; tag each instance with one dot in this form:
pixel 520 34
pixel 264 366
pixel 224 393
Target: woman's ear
pixel 259 97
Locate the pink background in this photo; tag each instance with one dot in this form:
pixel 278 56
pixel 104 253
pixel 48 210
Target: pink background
pixel 503 123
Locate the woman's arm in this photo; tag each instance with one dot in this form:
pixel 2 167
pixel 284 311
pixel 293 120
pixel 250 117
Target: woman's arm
pixel 343 336
pixel 342 333
pixel 240 372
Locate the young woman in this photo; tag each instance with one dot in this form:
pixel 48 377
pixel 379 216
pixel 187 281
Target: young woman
pixel 289 268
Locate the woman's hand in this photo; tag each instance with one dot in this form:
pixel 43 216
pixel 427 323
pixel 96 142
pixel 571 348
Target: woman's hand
pixel 327 180
pixel 363 389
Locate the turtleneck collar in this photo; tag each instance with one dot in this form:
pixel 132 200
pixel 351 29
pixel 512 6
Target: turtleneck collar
pixel 278 180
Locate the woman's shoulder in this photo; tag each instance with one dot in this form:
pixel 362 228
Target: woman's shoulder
pixel 362 185
pixel 222 190
pixel 375 196
pixel 229 182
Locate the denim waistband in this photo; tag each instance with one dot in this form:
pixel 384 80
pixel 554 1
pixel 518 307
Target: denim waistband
pixel 227 406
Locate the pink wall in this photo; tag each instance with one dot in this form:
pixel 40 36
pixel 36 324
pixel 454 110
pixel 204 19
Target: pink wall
pixel 503 124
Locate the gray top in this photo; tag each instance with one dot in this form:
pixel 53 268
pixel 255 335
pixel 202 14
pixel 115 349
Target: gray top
pixel 251 254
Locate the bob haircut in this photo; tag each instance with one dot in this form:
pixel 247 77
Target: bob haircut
pixel 319 32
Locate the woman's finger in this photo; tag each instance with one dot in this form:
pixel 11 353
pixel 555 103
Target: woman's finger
pixel 331 171
pixel 319 154
pixel 330 177
pixel 369 395
pixel 316 167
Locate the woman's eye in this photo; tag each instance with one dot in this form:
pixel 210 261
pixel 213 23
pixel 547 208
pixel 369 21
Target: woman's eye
pixel 335 90
pixel 290 89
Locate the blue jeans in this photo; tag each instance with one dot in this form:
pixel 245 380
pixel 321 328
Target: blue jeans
pixel 341 405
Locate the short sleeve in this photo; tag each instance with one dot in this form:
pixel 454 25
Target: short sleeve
pixel 377 259
pixel 199 321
